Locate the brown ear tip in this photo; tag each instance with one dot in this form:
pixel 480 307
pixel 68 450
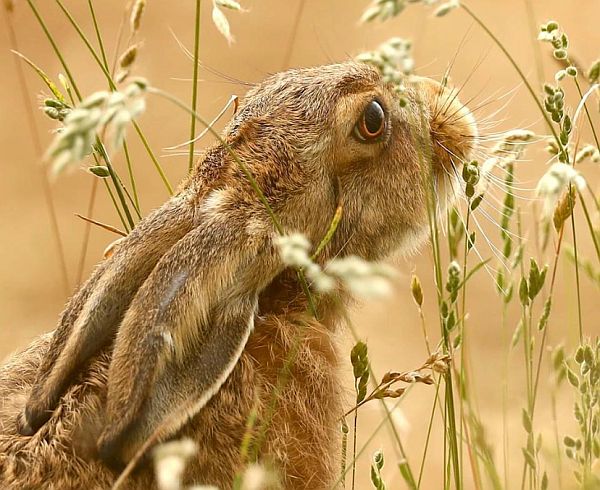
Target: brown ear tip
pixel 109 453
pixel 23 426
pixel 31 419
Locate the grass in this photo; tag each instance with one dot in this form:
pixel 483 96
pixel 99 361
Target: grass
pixel 470 459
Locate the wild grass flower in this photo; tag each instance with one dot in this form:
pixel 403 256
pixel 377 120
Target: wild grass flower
pixel 446 8
pixel 170 460
pixel 220 19
pixel 376 467
pixel 583 374
pixel 417 290
pixel 392 58
pixel 383 10
pixel 257 477
pixel 593 74
pixel 128 57
pixel 101 111
pixel 588 152
pixel 362 278
pixel 554 182
pixel 508 150
pixel 137 11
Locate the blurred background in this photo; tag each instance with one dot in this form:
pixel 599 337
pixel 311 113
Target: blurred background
pixel 270 36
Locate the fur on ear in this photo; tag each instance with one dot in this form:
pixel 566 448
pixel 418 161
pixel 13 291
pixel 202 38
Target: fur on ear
pixel 91 318
pixel 186 328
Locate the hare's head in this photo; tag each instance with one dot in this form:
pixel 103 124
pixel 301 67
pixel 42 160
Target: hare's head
pixel 179 295
pixel 343 125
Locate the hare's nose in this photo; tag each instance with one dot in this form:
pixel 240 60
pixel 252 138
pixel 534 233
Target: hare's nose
pixel 453 126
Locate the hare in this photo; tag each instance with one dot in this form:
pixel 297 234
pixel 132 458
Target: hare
pixel 185 329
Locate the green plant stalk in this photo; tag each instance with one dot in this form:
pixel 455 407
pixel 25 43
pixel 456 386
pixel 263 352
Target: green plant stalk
pixel 464 375
pixel 114 201
pixel 78 94
pixel 87 231
pixel 449 395
pixel 194 84
pixel 424 145
pixel 354 439
pixel 429 427
pixel 576 269
pixel 337 217
pixel 556 440
pixel 539 67
pixel 97 31
pixel 55 48
pixel 35 137
pixel 410 480
pixel 587 112
pixel 116 182
pixel 526 339
pixel 112 85
pixel 548 122
pixel 385 420
pixel 544 335
pixel 344 453
pixel 129 197
pixel 136 202
pixel 590 225
pixel 505 441
pixel 516 67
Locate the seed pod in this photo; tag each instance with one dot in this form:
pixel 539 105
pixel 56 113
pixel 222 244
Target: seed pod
pixel 476 202
pixel 416 290
pixel 136 15
pixel 523 292
pixel 560 54
pixel 230 4
pixel 52 112
pixel 100 171
pixel 571 71
pixel 564 209
pixel 128 57
pixel 121 76
pixel 594 72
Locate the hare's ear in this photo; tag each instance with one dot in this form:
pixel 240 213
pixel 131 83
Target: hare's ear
pixel 93 314
pixel 185 331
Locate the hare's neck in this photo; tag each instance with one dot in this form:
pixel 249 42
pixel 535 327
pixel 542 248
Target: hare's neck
pixel 285 296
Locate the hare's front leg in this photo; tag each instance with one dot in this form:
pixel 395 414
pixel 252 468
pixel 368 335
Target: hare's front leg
pixel 93 314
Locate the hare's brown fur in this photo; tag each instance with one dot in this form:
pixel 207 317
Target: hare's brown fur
pixel 302 437
pixel 186 328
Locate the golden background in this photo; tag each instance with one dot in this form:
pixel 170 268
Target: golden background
pixel 269 40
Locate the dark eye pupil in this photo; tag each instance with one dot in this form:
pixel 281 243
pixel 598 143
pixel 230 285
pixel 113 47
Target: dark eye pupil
pixel 374 117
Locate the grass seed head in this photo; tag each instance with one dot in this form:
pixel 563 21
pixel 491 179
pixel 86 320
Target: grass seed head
pixel 137 13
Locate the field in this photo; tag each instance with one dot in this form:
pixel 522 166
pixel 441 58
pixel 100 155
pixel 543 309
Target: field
pixel 515 426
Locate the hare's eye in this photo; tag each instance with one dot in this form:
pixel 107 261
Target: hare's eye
pixel 371 123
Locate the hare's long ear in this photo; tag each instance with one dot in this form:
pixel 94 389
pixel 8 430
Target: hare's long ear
pixel 93 314
pixel 186 328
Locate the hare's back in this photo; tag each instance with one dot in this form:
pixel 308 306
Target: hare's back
pixel 48 459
